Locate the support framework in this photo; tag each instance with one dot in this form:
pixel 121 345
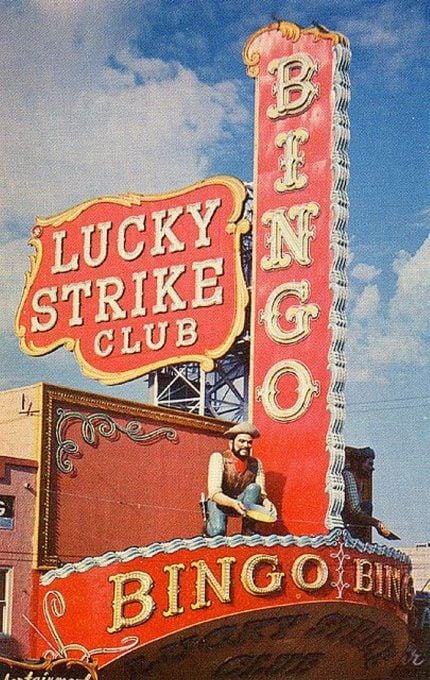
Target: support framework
pixel 222 393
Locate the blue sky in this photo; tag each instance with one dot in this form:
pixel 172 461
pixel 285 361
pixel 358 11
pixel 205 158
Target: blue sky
pixel 102 97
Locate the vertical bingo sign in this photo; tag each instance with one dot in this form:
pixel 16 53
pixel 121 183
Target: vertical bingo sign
pixel 298 322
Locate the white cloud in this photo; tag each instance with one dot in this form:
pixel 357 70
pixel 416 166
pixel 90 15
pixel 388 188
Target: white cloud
pixel 75 127
pixel 401 259
pixel 358 373
pixel 372 36
pixel 394 37
pixel 384 336
pixel 365 272
pixel 391 349
pixel 367 304
pixel 423 219
pixel 81 117
pixel 407 307
pixel 145 139
pixel 13 259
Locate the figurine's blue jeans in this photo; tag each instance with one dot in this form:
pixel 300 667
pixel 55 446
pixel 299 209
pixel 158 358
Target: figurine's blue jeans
pixel 216 524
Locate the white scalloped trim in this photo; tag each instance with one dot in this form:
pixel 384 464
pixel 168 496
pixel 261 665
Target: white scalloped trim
pixel 338 284
pixel 198 542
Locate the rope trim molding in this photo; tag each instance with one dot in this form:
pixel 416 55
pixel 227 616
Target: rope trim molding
pixel 332 539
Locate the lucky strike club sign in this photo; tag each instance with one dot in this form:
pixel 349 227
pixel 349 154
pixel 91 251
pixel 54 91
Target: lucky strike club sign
pixel 132 283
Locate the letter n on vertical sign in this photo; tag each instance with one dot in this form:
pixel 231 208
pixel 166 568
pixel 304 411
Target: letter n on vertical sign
pixel 299 286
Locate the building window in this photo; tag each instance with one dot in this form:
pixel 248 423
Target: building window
pixel 7 512
pixel 5 599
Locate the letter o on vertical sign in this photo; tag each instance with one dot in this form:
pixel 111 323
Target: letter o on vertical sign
pixel 307 388
pixel 298 572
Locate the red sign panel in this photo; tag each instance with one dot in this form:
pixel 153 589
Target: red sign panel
pixel 132 283
pixel 144 595
pixel 300 212
pixel 115 473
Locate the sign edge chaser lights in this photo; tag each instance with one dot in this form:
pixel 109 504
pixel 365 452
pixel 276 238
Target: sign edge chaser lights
pixel 220 324
pixel 298 319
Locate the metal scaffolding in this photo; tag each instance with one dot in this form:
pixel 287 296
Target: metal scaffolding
pixel 223 392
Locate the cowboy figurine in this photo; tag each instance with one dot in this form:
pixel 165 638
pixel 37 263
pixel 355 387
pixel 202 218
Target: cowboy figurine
pixel 357 513
pixel 235 480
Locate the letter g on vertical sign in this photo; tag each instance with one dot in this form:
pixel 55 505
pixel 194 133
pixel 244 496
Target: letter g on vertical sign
pixel 299 315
